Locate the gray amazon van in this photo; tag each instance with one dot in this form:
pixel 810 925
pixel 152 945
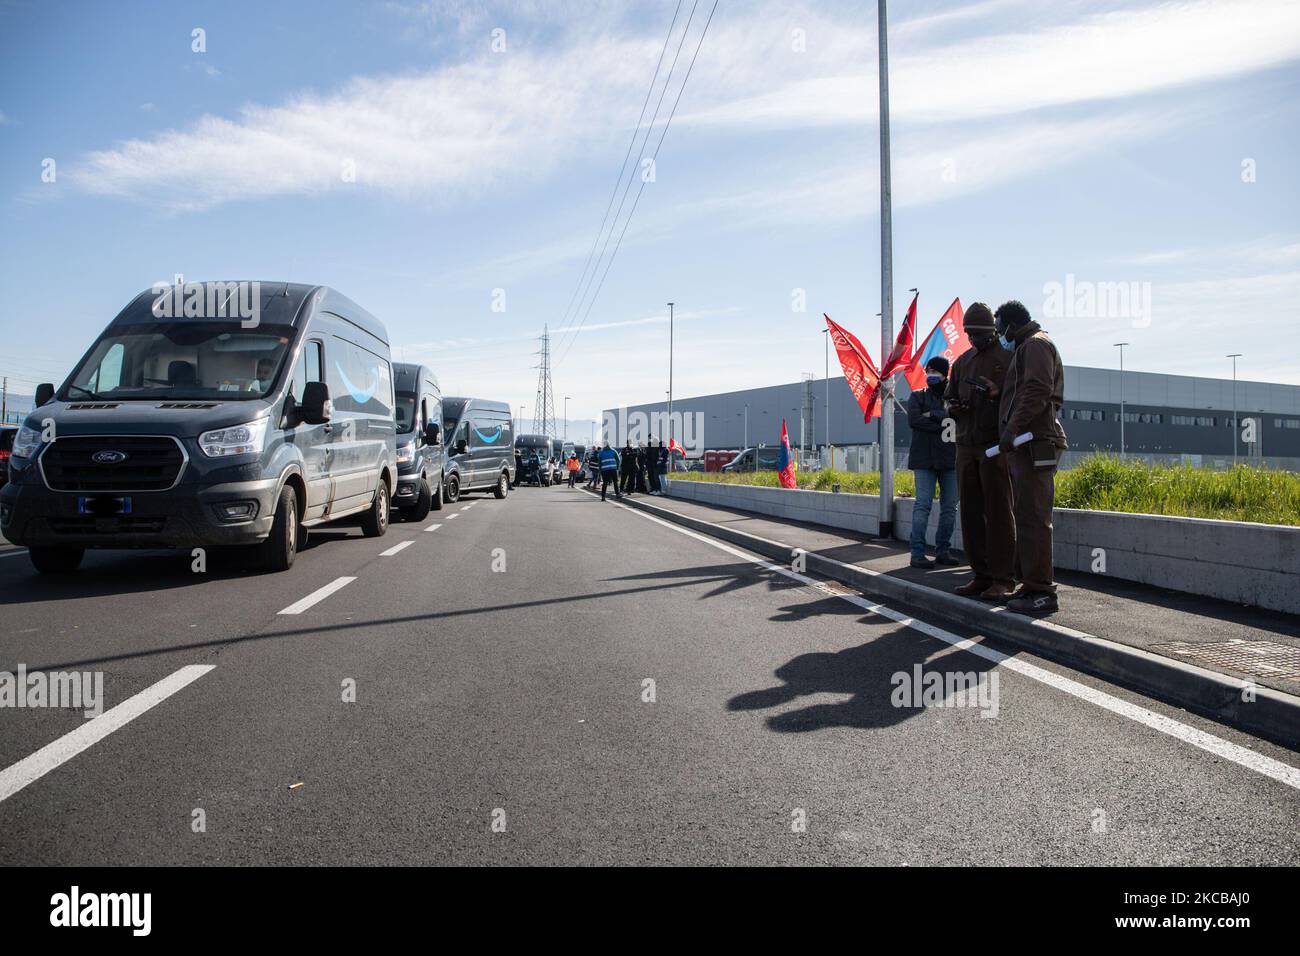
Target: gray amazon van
pixel 480 446
pixel 210 414
pixel 419 441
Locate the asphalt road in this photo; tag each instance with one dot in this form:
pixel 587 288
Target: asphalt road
pixel 501 716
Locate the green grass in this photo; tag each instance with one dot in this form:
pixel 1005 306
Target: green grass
pixel 1243 493
pixel 1104 483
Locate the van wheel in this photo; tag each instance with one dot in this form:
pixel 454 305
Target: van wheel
pixel 420 510
pixel 453 489
pixel 437 496
pixel 375 521
pixel 56 560
pixel 503 485
pixel 279 549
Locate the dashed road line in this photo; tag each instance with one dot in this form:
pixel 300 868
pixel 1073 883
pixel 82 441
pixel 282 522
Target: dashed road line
pixel 318 595
pixel 395 548
pixel 433 527
pixel 52 755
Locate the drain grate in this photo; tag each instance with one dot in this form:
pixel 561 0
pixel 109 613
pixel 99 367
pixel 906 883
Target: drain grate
pixel 1258 658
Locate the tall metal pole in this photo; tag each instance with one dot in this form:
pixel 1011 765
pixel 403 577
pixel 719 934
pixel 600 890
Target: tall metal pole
pixel 827 439
pixel 1234 356
pixel 670 384
pixel 1120 346
pixel 886 285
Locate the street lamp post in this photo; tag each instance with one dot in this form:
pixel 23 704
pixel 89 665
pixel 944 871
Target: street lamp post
pixel 1120 346
pixel 886 282
pixel 1234 356
pixel 827 439
pixel 670 382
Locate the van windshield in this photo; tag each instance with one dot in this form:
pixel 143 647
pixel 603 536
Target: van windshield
pixel 405 412
pixel 182 360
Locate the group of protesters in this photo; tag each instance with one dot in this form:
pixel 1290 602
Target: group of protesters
pixel 636 469
pixel 998 455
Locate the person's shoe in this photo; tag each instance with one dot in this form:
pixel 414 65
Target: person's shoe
pixel 1032 603
pixel 922 562
pixel 946 560
pixel 971 588
pixel 997 593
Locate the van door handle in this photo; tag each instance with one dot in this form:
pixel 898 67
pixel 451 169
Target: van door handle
pixel 327 429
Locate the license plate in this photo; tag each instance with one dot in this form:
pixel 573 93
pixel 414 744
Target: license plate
pixel 104 507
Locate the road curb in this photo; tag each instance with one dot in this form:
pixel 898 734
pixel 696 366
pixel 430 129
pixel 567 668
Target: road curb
pixel 1273 714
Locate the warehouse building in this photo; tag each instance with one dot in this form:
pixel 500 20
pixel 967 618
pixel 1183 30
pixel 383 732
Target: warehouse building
pixel 1166 418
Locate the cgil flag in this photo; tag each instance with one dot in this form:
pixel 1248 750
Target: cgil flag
pixel 902 351
pixel 675 446
pixel 947 338
pixel 786 464
pixel 859 371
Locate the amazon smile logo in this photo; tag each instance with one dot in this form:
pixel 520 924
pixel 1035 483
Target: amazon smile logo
pixel 488 439
pixel 360 395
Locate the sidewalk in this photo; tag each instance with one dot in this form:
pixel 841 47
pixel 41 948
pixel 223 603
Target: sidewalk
pixel 1189 636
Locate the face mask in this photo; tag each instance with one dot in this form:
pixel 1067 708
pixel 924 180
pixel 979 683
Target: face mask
pixel 934 378
pixel 1006 343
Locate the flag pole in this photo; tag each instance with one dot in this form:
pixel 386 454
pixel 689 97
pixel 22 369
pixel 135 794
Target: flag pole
pixel 886 286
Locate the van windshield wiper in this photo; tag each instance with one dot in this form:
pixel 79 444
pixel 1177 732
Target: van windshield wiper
pixel 94 395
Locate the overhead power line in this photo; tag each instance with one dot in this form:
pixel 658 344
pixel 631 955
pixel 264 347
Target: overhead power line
pixel 663 134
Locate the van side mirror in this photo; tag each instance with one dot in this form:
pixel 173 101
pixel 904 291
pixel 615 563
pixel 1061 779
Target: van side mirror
pixel 461 446
pixel 431 434
pixel 44 392
pixel 315 408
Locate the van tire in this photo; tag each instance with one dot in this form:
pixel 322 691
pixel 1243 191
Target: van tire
pixel 375 521
pixel 279 549
pixel 423 504
pixel 503 485
pixel 437 495
pixel 453 489
pixel 55 560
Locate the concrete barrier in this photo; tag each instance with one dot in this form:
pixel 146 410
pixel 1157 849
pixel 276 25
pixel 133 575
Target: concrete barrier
pixel 1255 564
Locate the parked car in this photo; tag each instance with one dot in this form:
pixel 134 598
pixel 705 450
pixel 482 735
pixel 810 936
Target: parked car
pixel 176 430
pixel 480 449
pixel 418 415
pixel 754 459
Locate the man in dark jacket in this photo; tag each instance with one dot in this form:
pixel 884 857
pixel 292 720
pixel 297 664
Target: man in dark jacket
pixel 933 461
pixel 652 466
pixel 988 530
pixel 627 469
pixel 1031 400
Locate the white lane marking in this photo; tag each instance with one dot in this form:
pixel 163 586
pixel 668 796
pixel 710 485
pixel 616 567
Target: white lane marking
pixel 11 554
pixel 317 596
pixel 1242 756
pixel 37 765
pixel 449 517
pixel 468 506
pixel 395 548
pixel 433 527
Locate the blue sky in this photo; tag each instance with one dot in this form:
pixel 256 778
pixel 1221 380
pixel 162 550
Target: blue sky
pixel 1097 143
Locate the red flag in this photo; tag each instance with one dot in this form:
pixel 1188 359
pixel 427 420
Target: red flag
pixel 675 446
pixel 902 353
pixel 785 465
pixel 950 342
pixel 859 371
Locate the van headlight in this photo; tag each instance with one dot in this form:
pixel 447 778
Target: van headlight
pixel 239 440
pixel 26 443
pixel 405 453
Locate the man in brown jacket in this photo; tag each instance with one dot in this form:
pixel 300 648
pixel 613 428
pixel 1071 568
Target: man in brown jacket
pixel 988 529
pixel 1031 400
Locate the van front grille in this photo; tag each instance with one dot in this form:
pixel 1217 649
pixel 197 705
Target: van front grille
pixel 149 463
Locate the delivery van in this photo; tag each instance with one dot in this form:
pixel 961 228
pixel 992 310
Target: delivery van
pixel 192 422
